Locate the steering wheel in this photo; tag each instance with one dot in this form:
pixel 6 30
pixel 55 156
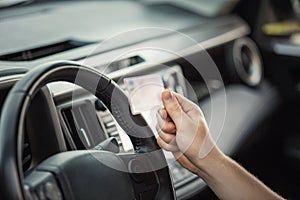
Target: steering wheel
pixel 82 174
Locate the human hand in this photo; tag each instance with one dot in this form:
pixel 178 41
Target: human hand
pixel 183 131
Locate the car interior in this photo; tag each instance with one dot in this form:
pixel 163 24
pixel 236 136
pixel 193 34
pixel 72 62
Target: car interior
pixel 66 126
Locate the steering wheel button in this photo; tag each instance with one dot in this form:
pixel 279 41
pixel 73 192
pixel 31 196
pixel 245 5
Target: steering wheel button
pixel 52 191
pixel 29 194
pixel 40 192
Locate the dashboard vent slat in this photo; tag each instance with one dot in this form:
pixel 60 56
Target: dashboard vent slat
pixel 26 154
pixel 44 51
pixel 121 64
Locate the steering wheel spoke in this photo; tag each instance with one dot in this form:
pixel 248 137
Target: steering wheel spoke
pixel 41 185
pixel 147 173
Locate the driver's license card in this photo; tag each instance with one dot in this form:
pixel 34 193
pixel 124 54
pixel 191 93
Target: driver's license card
pixel 144 93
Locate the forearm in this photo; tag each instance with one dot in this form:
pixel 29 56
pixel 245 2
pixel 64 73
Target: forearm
pixel 230 181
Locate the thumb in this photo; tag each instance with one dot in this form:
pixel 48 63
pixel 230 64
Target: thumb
pixel 172 106
pixel 190 108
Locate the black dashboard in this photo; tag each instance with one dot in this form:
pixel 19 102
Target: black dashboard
pixel 79 31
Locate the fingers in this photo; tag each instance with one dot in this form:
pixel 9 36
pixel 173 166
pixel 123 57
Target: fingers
pixel 172 106
pixel 163 113
pixel 188 106
pixel 165 123
pixel 167 137
pixel 166 131
pixel 166 146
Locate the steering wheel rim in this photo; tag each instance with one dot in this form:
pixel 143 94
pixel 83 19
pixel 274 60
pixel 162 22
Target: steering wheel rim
pixel 18 100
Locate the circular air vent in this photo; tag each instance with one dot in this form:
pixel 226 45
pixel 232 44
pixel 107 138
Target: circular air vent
pixel 247 61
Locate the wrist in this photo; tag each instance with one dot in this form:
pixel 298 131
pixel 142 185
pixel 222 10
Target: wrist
pixel 215 159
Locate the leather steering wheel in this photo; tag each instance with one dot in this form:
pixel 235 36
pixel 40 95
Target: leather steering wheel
pixel 84 174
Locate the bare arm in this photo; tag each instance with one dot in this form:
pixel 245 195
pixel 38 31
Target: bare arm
pixel 230 181
pixel 183 130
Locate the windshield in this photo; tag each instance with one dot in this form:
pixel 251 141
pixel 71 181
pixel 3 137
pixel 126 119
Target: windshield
pixel 8 3
pixel 207 8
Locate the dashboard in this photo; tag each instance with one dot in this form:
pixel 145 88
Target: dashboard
pixel 81 121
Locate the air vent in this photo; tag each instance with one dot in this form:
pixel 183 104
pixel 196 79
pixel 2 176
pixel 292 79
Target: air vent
pixel 110 127
pixel 247 61
pixel 26 154
pixel 123 63
pixel 126 62
pixel 44 51
pixel 83 125
pixel 69 119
